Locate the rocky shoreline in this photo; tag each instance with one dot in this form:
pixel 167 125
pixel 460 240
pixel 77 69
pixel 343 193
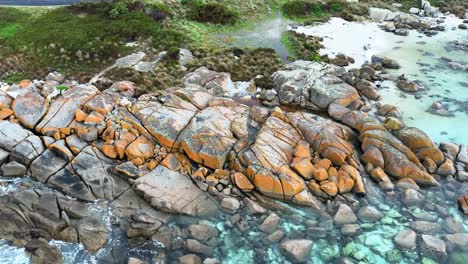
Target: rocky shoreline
pixel 190 151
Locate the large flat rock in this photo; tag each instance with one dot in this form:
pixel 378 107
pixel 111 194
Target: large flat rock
pixel 173 192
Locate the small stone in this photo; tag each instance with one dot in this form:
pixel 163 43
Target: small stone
pixel 330 188
pixel 190 259
pixel 197 247
pixel 433 246
pixel 350 229
pixel 242 182
pixel 406 239
pixel 275 237
pixel 344 215
pixel 297 250
pixel 270 224
pixel 13 169
pixel 202 232
pixel 253 207
pixel 230 204
pixel 412 197
pixel 426 227
pixel 369 214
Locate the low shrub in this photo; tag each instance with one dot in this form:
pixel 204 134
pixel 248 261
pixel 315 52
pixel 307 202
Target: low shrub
pixel 215 13
pixel 302 47
pixel 308 8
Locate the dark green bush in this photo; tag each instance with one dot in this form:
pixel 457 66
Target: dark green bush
pixel 215 13
pixel 306 8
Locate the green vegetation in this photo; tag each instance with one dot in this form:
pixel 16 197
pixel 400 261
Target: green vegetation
pixel 301 46
pixel 215 13
pixel 14 78
pixel 82 37
pixel 312 9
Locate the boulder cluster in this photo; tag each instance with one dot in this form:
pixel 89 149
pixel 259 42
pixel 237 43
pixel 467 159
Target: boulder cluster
pixel 186 150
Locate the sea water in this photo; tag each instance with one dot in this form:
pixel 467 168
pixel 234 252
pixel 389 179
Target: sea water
pixel 420 59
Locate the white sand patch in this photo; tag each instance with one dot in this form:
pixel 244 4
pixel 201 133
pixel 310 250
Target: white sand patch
pixel 350 38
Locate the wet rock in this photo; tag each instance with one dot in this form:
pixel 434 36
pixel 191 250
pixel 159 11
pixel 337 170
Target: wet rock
pixel 203 232
pixel 297 250
pixel 253 207
pixel 194 246
pixel 406 239
pixel 276 236
pixel 230 204
pixel 463 203
pixel 433 246
pixel 190 259
pixel 386 62
pixel 401 32
pixel 369 214
pixel 93 233
pixel 463 154
pixel 47 164
pixel 426 227
pixel 412 197
pixel 446 168
pixel 270 224
pixel 172 192
pixel 458 240
pixel 408 183
pixel 13 169
pixel 449 148
pixel 350 230
pixel 344 215
pixel 4 155
pixel 211 261
pixel 407 86
pixel 42 252
pixel 390 26
pixel 453 226
pixel 462 26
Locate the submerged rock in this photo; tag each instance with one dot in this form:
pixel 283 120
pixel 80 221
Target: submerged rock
pixel 297 250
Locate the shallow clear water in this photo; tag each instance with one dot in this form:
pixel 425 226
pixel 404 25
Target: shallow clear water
pixel 419 57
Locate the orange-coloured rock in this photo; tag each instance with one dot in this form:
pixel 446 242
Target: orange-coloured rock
pixel 62 110
pixel 140 148
pixel 213 132
pixel 25 84
pixel 330 188
pixel 80 115
pixel 94 118
pixel 374 157
pixel 242 182
pixel 302 150
pixel 320 174
pixel 109 151
pixel 166 121
pixel 171 162
pixel 5 113
pixel 326 137
pixel 303 167
pixel 345 182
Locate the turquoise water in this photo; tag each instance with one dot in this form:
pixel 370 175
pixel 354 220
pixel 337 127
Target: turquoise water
pixel 421 60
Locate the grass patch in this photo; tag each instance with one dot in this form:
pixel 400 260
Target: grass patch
pixel 14 78
pixel 313 9
pixel 9 30
pixel 81 37
pixel 215 13
pixel 302 47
